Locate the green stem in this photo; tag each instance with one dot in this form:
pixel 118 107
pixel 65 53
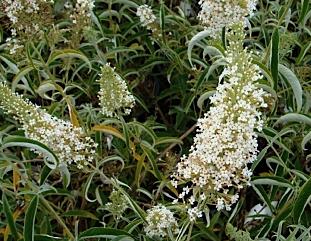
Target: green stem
pixel 190 231
pixel 57 217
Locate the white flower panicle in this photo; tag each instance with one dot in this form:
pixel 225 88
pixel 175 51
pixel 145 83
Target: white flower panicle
pixel 82 12
pixel 70 144
pixel 226 141
pixel 114 95
pixel 160 221
pixel 146 16
pixel 27 19
pixel 216 14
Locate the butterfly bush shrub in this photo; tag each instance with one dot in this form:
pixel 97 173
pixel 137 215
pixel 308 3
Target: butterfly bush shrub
pixel 170 120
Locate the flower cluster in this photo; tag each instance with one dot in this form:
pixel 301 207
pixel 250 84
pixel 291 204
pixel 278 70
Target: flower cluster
pixel 28 19
pixel 160 222
pixel 82 12
pixel 79 12
pixel 216 14
pixel 226 141
pixel 117 205
pixel 146 16
pixel 114 95
pixel 69 143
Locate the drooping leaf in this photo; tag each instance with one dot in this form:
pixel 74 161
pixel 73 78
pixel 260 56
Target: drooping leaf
pixel 50 159
pixel 304 197
pixel 30 216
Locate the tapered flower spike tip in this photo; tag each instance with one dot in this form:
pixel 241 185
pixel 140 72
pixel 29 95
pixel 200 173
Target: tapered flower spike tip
pixel 114 96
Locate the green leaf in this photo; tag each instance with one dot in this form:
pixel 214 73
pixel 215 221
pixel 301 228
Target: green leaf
pixel 29 225
pixel 9 216
pixel 271 180
pixel 109 233
pixel 304 197
pixel 274 59
pixel 15 70
pixel 152 162
pixel 45 172
pixel 68 53
pixel 80 213
pixel 45 87
pixel 45 237
pixel 162 16
pixel 166 140
pixel 204 97
pixel 65 174
pixel 21 76
pixel 304 50
pixel 293 117
pixel 305 140
pixel 50 159
pixel 304 10
pixel 195 39
pixel 87 186
pixel 294 83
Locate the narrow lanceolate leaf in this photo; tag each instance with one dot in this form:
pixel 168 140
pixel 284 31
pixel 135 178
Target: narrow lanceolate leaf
pixel 274 57
pixel 29 226
pixel 65 174
pixel 109 130
pixel 68 53
pixel 50 159
pixel 162 17
pixel 204 97
pixel 108 233
pixel 167 140
pixel 9 217
pixel 303 11
pixel 293 117
pixel 45 237
pixel 16 177
pixel 304 197
pixel 294 83
pixel 305 140
pixel 73 115
pixel 271 180
pixel 80 213
pixel 196 39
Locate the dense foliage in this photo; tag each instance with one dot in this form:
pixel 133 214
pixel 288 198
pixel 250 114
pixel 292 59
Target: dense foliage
pixel 176 120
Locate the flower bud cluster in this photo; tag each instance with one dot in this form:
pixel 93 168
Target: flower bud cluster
pixel 70 144
pixel 118 203
pixel 114 95
pixel 160 222
pixel 226 141
pixel 217 14
pixel 27 18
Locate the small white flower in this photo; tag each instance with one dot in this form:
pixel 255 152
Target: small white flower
pixel 69 143
pixel 217 14
pixel 147 18
pixel 226 139
pixel 194 213
pixel 114 95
